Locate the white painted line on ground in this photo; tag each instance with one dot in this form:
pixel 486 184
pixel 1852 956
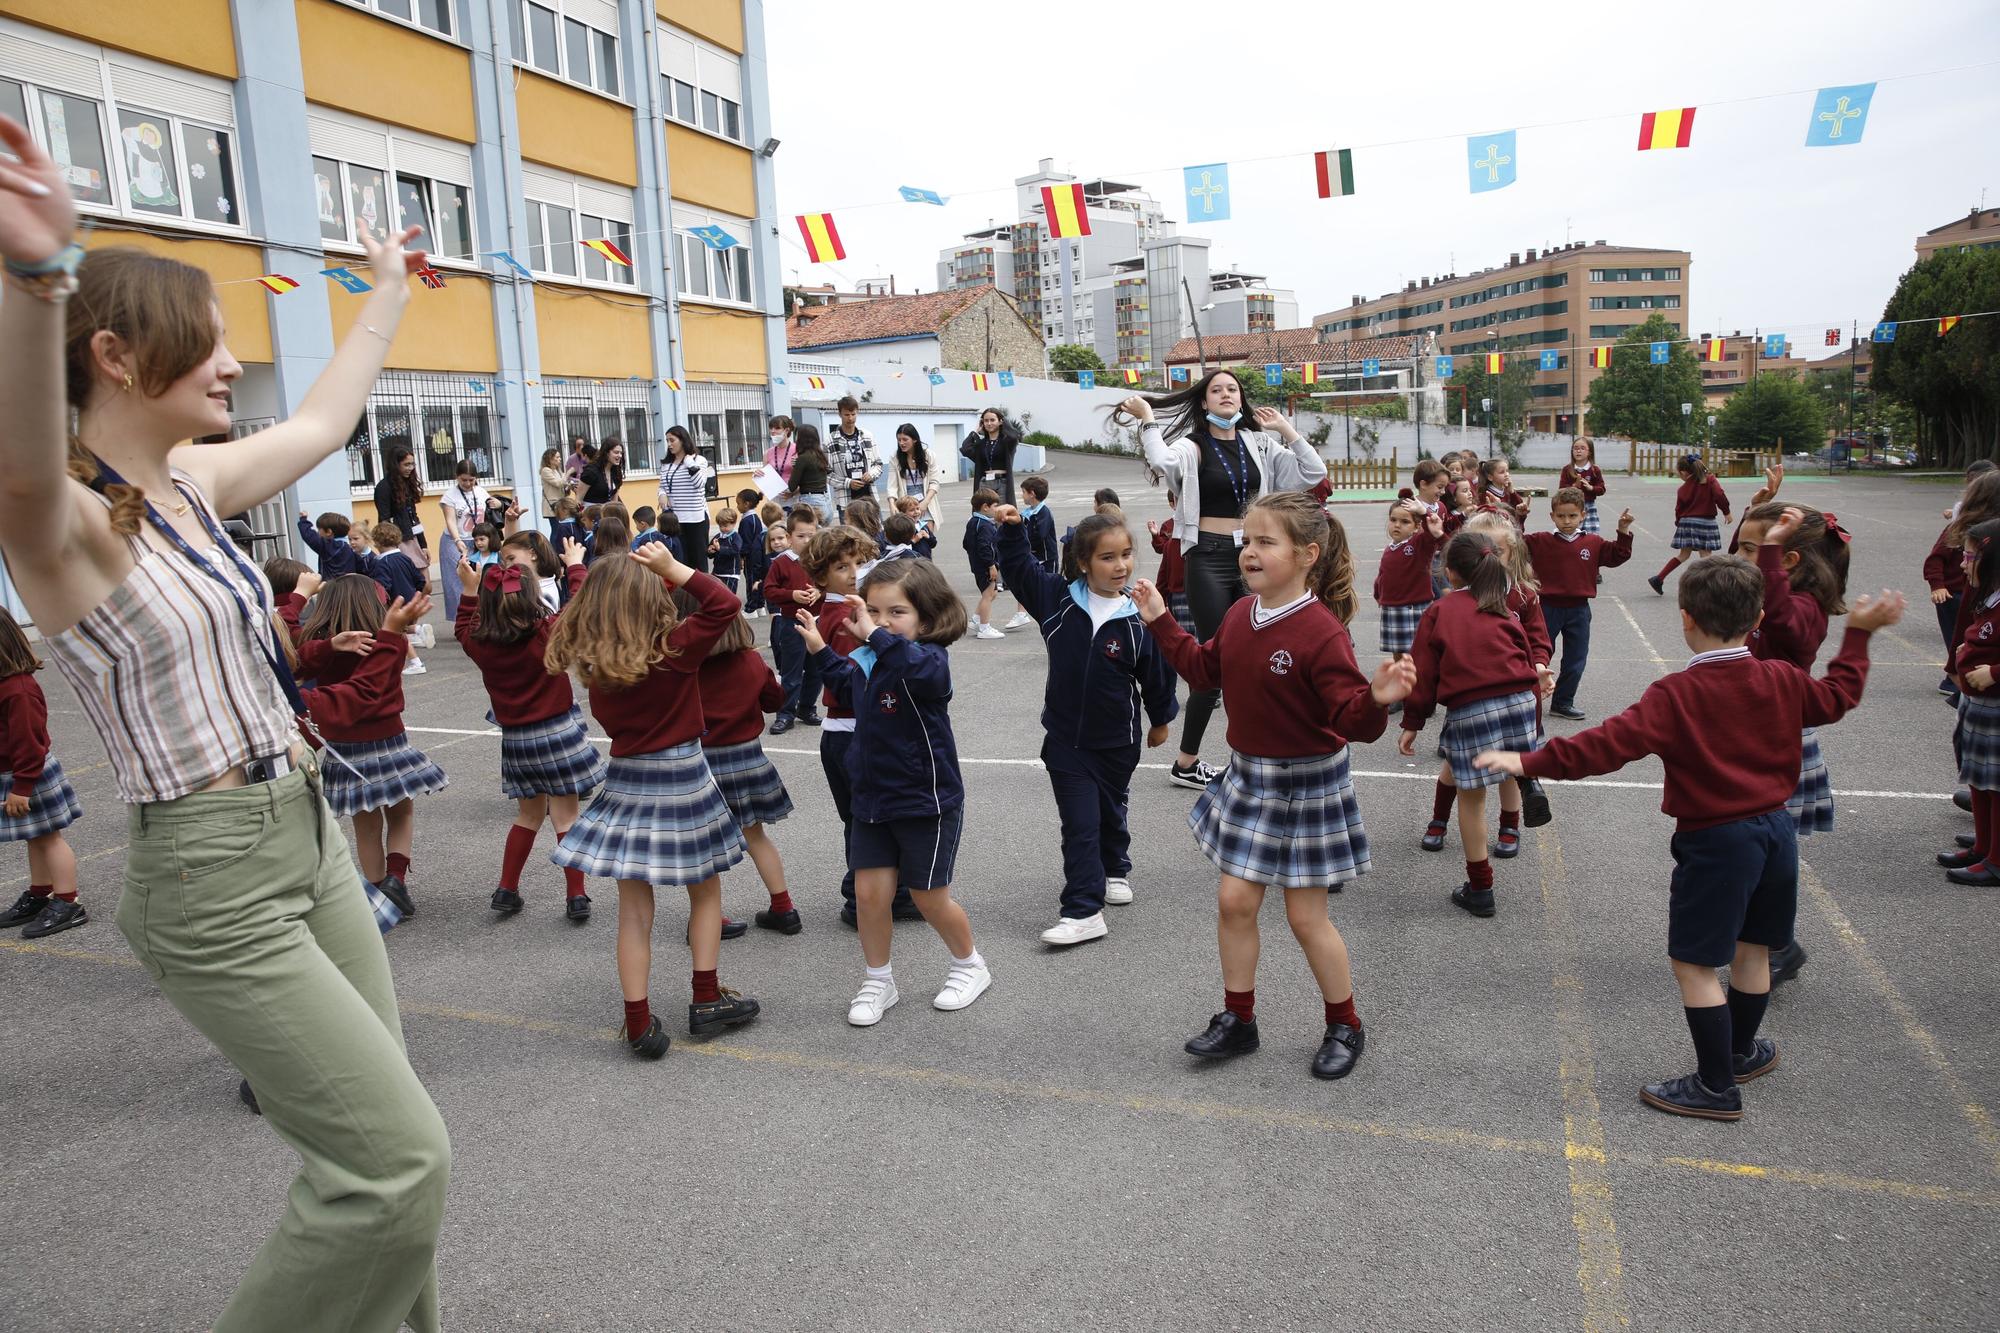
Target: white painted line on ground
pixel 1647 643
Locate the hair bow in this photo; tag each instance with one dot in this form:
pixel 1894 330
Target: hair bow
pixel 506 578
pixel 1833 526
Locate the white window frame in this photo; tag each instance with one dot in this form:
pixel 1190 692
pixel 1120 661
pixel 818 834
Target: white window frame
pixel 689 251
pixel 590 15
pixel 706 70
pixel 629 401
pixel 44 62
pixel 405 392
pixel 350 142
pixel 587 202
pixel 713 408
pixel 416 8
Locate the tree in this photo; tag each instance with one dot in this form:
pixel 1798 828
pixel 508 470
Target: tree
pixel 1774 407
pixel 1637 399
pixel 1951 383
pixel 1068 358
pixel 1508 392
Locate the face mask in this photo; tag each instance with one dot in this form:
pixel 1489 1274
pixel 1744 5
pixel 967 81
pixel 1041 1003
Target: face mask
pixel 1224 422
pixel 778 438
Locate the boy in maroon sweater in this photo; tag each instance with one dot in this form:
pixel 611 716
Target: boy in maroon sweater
pixel 1725 730
pixel 1567 564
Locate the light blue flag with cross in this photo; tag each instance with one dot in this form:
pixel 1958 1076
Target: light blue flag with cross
pixel 1178 374
pixel 1885 332
pixel 714 237
pixel 1274 374
pixel 1550 361
pixel 1371 367
pixel 1839 115
pixel 1443 367
pixel 1086 379
pixel 1006 379
pixel 1774 344
pixel 912 194
pixel 936 378
pixel 1658 353
pixel 1490 161
pixel 1207 189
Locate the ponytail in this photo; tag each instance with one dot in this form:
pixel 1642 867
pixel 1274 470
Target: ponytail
pixel 128 503
pixel 1693 467
pixel 1822 547
pixel 1476 562
pixel 1331 579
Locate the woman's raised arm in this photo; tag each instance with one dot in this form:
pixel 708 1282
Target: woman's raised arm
pixel 37 220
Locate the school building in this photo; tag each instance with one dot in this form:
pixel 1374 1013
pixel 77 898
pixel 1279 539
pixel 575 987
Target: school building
pixel 255 137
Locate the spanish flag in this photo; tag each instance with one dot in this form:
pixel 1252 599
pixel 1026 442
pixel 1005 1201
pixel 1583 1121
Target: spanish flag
pixel 1712 348
pixel 609 251
pixel 1063 204
pixel 978 382
pixel 1666 129
pixel 822 241
pixel 1131 377
pixel 816 381
pixel 1947 324
pixel 673 386
pixel 1600 358
pixel 278 284
pixel 1493 363
pixel 1309 373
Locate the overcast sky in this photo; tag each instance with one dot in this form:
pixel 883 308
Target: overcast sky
pixel 873 95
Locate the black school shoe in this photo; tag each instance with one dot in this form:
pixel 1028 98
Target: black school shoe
pixel 1507 845
pixel 393 888
pixel 578 908
pixel 1759 1062
pixel 1479 902
pixel 56 914
pixel 1570 711
pixel 1653 582
pixel 1535 802
pixel 710 1016
pixel 26 908
pixel 1434 836
pixel 652 1043
pixel 1962 798
pixel 785 923
pixel 1960 859
pixel 506 902
pixel 1786 962
pixel 1339 1051
pixel 731 930
pixel 1978 876
pixel 1689 1096
pixel 1227 1036
pixel 780 725
pixel 810 717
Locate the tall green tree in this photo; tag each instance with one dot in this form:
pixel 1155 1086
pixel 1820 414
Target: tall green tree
pixel 1635 398
pixel 1951 383
pixel 1774 408
pixel 1508 392
pixel 1065 359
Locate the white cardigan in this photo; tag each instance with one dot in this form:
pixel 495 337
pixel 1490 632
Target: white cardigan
pixel 1280 467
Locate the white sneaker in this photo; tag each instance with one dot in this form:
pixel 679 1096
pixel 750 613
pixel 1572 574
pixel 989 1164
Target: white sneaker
pixel 965 983
pixel 874 999
pixel 988 631
pixel 1117 892
pixel 1020 618
pixel 1073 930
pixel 426 636
pixel 416 667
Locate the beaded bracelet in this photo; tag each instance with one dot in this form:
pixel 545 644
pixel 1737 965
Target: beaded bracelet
pixel 53 279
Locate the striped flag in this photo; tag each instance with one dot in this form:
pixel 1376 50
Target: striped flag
pixel 1666 129
pixel 608 250
pixel 1335 172
pixel 1712 348
pixel 1063 205
pixel 673 386
pixel 1309 373
pixel 1600 358
pixel 816 381
pixel 822 239
pixel 1947 324
pixel 979 382
pixel 1494 361
pixel 1131 377
pixel 278 284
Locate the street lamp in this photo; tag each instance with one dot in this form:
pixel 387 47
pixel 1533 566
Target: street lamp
pixel 1711 429
pixel 1486 406
pixel 1687 420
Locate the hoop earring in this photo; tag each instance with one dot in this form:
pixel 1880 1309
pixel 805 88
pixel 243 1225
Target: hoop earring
pixel 128 382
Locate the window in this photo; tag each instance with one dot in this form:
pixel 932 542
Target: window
pixel 575 40
pixel 432 14
pixel 601 413
pixel 712 275
pixel 565 211
pixel 367 178
pixel 701 85
pixel 132 138
pixel 441 418
pixel 727 422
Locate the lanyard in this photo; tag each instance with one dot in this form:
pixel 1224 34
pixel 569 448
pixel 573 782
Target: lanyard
pixel 1238 482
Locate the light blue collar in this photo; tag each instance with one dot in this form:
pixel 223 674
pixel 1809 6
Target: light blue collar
pixel 988 517
pixel 1079 592
pixel 863 657
pixel 1032 510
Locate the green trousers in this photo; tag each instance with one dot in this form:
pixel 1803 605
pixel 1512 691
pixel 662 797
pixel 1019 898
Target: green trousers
pixel 246 908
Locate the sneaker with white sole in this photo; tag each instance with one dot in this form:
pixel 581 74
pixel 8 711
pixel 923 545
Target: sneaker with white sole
pixel 965 983
pixel 425 637
pixel 1196 775
pixel 416 667
pixel 1117 891
pixel 1020 619
pixel 1072 930
pixel 988 631
pixel 874 999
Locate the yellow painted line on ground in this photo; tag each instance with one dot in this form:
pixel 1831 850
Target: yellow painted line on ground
pixel 1600 1264
pixel 1975 1115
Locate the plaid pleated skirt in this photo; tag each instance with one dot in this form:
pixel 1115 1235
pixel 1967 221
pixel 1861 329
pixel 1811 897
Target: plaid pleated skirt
pixel 383 773
pixel 1506 722
pixel 553 757
pixel 1177 603
pixel 1288 823
pixel 1697 534
pixel 52 806
pixel 1590 523
pixel 1979 742
pixel 1399 626
pixel 751 787
pixel 1811 803
pixel 659 818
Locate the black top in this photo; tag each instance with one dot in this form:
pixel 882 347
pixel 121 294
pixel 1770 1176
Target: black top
pixel 809 472
pixel 389 510
pixel 601 483
pixel 1229 477
pixel 992 456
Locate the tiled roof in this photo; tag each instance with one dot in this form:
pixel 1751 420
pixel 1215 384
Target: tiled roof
pixel 885 317
pixel 1293 347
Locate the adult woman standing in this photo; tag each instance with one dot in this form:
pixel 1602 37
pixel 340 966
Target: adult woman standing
pixel 684 490
pixel 556 484
pixel 812 474
pixel 912 472
pixel 991 449
pixel 396 497
pixel 784 450
pixel 464 504
pixel 603 476
pixel 1216 467
pixel 240 897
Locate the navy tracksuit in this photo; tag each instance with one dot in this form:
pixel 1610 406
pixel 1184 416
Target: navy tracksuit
pixel 1105 688
pixel 750 536
pixel 1041 526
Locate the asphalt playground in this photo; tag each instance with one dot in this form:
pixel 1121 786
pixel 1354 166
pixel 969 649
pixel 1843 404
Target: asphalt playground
pixel 1049 1158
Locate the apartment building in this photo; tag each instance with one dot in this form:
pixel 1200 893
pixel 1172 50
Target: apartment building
pixel 1568 299
pixel 1979 229
pixel 263 136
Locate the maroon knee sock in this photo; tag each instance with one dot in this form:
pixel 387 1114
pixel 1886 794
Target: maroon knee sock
pixel 1666 570
pixel 399 865
pixel 781 901
pixel 1510 821
pixel 44 890
pixel 1342 1013
pixel 69 897
pixel 520 841
pixel 1242 1003
pixel 706 987
pixel 1479 873
pixel 1442 799
pixel 572 877
pixel 638 1017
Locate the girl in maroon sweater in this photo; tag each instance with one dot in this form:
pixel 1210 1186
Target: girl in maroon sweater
pixel 1582 473
pixel 660 818
pixel 1472 655
pixel 39 803
pixel 1172 578
pixel 1497 494
pixel 1403 581
pixel 1696 531
pixel 547 760
pixel 1283 812
pixel 1974 667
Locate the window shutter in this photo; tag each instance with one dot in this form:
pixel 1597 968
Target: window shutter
pixel 604 203
pixel 551 187
pixel 677 56
pixel 599 14
pixel 720 74
pixel 436 158
pixel 345 141
pixel 49 66
pixel 174 94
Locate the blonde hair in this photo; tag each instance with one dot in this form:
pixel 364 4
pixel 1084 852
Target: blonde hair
pixel 1513 549
pixel 614 631
pixel 1331 579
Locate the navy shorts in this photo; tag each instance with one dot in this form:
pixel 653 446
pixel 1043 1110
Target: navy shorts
pixel 982 577
pixel 1736 881
pixel 922 850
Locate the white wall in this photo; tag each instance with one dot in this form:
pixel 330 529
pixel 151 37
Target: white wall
pixel 1074 415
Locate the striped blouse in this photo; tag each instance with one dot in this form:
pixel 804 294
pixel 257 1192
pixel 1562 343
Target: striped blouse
pixel 683 486
pixel 167 670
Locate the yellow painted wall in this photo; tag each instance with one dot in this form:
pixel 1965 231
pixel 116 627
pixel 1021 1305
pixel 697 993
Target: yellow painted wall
pixel 197 34
pixel 381 70
pixel 573 130
pixel 646 491
pixel 595 335
pixel 720 21
pixel 723 345
pixel 245 316
pixel 447 329
pixel 710 172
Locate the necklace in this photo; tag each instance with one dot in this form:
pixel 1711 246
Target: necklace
pixel 177 510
